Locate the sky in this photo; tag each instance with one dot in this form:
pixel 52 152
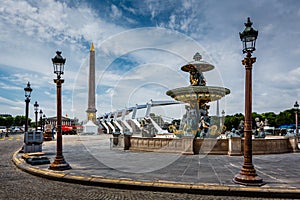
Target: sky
pixel 140 47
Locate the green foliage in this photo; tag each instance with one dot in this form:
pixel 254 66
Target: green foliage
pixel 2 121
pixel 271 117
pixel 233 121
pixel 13 121
pixel 19 120
pixel 284 117
pixel 9 121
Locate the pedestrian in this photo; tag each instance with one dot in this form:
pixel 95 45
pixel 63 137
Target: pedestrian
pixel 53 130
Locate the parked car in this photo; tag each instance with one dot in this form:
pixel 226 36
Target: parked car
pixel 16 129
pixel 68 130
pixel 3 129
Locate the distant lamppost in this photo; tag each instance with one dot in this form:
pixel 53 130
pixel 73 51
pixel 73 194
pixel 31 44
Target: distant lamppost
pixel 28 91
pixel 58 64
pixel 296 106
pixel 36 108
pixel 247 175
pixel 223 117
pixel 44 121
pixel 41 120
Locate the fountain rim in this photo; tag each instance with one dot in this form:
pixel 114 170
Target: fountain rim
pixel 198 89
pixel 208 93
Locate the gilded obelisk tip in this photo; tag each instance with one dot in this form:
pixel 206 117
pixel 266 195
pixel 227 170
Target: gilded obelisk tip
pixel 92 47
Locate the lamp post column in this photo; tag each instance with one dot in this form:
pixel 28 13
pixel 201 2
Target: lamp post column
pixel 41 120
pixel 59 163
pixel 296 112
pixel 36 121
pixel 296 106
pixel 27 100
pixel 28 91
pixel 36 108
pixel 247 175
pixel 44 122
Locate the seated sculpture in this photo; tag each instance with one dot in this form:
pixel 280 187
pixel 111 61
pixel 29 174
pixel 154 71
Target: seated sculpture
pixel 197 78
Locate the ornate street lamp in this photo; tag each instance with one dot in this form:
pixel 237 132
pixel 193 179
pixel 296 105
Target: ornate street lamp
pixel 58 65
pixel 41 120
pixel 28 91
pixel 36 108
pixel 247 175
pixel 296 106
pixel 248 38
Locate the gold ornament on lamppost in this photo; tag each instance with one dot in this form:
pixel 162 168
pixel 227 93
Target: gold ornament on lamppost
pixel 247 175
pixel 59 163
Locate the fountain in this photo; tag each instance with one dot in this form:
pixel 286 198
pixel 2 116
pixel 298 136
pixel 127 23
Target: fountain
pixel 196 122
pixel 197 133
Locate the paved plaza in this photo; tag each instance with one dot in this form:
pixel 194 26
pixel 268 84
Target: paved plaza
pixel 95 162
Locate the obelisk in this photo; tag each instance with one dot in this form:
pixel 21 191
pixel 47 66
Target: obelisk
pixel 91 111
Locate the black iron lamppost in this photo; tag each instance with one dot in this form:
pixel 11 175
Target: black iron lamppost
pixel 36 108
pixel 28 91
pixel 296 106
pixel 58 64
pixel 41 120
pixel 247 175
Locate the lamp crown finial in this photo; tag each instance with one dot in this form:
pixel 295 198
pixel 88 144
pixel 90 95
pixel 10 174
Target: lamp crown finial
pixel 248 23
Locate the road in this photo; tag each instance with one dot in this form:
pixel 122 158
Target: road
pixel 16 184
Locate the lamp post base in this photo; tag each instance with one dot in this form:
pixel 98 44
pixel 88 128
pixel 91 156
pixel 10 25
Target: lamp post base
pixel 60 164
pixel 248 180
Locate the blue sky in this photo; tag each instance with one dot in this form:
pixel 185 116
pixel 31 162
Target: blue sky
pixel 140 47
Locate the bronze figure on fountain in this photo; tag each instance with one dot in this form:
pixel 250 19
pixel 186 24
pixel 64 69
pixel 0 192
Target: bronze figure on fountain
pixel 196 121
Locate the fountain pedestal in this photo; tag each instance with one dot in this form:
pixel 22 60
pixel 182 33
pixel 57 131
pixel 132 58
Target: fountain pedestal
pixel 235 146
pixel 188 144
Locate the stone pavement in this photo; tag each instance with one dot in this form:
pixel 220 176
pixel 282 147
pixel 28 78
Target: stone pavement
pixel 95 162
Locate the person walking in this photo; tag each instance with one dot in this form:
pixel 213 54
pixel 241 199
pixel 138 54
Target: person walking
pixel 53 132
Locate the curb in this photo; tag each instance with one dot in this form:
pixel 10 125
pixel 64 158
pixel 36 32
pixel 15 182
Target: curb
pixel 159 185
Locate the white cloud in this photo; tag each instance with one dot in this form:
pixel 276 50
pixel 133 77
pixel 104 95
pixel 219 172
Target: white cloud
pixel 116 13
pixel 31 32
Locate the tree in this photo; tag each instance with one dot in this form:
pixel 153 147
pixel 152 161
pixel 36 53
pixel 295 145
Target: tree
pixel 233 121
pixel 271 117
pixel 285 117
pixel 19 120
pixel 2 121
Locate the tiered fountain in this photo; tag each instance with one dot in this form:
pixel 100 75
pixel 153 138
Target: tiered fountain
pixel 198 136
pixel 196 120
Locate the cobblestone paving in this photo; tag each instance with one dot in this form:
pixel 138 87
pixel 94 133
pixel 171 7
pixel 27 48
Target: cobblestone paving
pixel 16 184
